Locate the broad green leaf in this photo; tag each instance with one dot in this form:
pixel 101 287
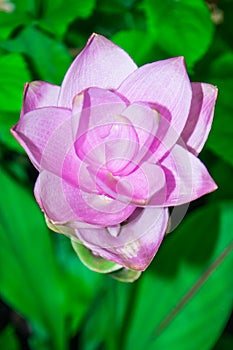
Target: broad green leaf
pixel 115 6
pixel 50 59
pixel 7 120
pixel 80 284
pixel 58 14
pixel 29 279
pixel 8 339
pixel 129 40
pixel 20 13
pixel 10 21
pixel 13 75
pixel 220 73
pixel 102 329
pixel 31 7
pixel 186 296
pixel 181 28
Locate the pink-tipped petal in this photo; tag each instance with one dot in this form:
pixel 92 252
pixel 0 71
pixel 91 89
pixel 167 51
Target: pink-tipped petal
pixel 91 98
pixel 63 202
pixel 135 244
pixel 39 94
pixel 101 63
pixel 200 118
pixel 35 130
pixel 165 84
pixel 186 178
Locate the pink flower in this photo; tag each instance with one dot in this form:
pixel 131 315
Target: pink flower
pixel 115 146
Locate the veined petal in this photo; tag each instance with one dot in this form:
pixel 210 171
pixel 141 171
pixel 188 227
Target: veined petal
pixel 136 188
pixel 63 202
pixel 137 242
pixel 39 94
pixel 101 63
pixel 200 118
pixel 186 178
pixel 105 137
pixel 35 130
pixel 146 123
pixel 91 98
pixel 51 198
pixel 165 84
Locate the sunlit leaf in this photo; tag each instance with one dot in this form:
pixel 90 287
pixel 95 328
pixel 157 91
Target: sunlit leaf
pixel 50 58
pixel 58 14
pixel 13 75
pixel 182 28
pixel 129 40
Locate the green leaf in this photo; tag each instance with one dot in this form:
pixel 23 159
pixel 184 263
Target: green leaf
pixel 181 28
pixel 13 75
pixel 7 120
pixel 29 279
pixel 80 284
pixel 115 6
pixel 220 73
pixel 50 58
pixel 186 296
pixel 10 21
pixel 22 13
pixel 129 39
pixel 58 14
pixel 101 328
pixel 8 339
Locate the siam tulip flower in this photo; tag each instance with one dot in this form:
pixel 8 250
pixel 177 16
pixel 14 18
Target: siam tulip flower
pixel 115 147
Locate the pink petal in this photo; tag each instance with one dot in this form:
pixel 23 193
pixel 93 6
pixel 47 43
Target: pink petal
pixel 36 129
pixel 186 179
pixel 101 63
pixel 166 85
pixel 39 94
pixel 146 123
pixel 51 198
pixel 135 244
pixel 90 98
pixel 105 138
pixel 63 202
pixel 136 188
pixel 200 118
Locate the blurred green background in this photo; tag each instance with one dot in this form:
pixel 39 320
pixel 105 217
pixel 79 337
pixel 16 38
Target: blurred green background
pixel 49 300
